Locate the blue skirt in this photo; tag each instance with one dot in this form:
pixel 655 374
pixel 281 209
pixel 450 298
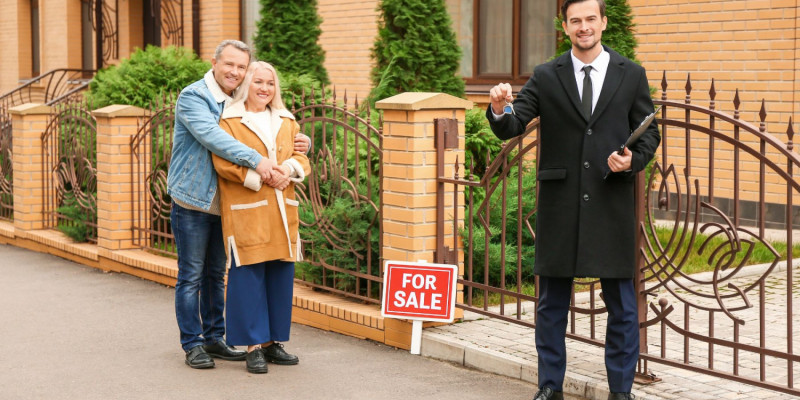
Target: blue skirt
pixel 259 303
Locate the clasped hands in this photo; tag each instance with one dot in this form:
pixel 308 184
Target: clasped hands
pixel 272 174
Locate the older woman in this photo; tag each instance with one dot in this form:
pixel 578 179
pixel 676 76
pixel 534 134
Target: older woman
pixel 260 220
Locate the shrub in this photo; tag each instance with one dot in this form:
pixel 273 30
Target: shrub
pixel 416 50
pixel 146 76
pixel 495 228
pixel 287 37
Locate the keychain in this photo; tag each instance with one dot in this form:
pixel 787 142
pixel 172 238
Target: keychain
pixel 508 108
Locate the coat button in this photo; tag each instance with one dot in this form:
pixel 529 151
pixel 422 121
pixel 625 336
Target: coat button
pixel 589 132
pixel 585 197
pixel 586 165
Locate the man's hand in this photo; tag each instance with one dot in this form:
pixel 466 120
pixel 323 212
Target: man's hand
pixel 302 143
pixel 498 96
pixel 619 163
pixel 280 177
pixel 265 168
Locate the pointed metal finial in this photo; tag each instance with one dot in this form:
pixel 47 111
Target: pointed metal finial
pixel 688 88
pixel 712 94
pixel 736 104
pixel 762 127
pixel 664 85
pixel 790 134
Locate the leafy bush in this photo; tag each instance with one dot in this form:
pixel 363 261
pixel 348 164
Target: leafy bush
pixel 146 76
pixel 76 218
pixel 287 37
pixel 481 145
pixel 495 228
pixel 416 50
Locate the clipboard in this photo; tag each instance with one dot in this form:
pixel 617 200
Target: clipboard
pixel 636 134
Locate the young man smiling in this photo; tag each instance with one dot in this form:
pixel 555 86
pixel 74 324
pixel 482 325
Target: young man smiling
pixel 588 101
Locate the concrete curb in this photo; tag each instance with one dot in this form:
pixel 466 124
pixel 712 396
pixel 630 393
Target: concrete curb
pixel 466 354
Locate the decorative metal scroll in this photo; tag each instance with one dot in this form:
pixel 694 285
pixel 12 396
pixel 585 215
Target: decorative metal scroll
pixel 720 189
pixel 151 149
pixel 109 25
pixel 69 155
pixel 47 88
pixel 171 20
pixel 340 212
pixel 6 171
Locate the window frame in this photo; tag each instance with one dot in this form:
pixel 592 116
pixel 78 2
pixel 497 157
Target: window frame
pixel 516 77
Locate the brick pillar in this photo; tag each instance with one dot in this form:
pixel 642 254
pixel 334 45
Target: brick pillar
pixel 116 125
pixel 409 181
pixel 28 122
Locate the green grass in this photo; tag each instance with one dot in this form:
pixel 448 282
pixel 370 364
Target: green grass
pixel 695 263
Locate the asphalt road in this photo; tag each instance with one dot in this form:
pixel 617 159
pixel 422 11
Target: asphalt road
pixel 72 332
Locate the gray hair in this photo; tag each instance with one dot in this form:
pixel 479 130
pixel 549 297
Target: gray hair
pixel 237 44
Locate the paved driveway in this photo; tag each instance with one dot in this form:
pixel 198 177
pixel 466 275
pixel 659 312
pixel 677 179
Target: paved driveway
pixel 72 332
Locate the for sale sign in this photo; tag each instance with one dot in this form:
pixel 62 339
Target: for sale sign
pixel 419 291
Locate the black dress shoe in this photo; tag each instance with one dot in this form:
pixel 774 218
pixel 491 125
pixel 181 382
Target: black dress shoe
pixel 256 363
pixel 548 394
pixel 223 350
pixel 276 354
pixel 621 396
pixel 196 357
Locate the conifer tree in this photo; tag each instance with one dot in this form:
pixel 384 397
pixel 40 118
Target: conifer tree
pixel 287 37
pixel 416 50
pixel 618 34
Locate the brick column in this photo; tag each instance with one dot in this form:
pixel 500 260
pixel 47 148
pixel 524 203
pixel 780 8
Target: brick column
pixel 410 187
pixel 410 171
pixel 28 122
pixel 116 125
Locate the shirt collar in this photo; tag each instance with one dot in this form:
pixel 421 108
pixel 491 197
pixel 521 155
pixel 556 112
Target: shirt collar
pixel 214 88
pixel 600 63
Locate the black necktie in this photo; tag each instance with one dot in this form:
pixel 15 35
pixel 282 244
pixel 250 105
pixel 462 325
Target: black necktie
pixel 586 101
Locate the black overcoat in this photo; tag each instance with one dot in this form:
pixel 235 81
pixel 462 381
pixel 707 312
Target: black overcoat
pixel 585 225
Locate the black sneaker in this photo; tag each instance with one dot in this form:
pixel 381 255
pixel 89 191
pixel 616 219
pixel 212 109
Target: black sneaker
pixel 256 363
pixel 197 358
pixel 275 354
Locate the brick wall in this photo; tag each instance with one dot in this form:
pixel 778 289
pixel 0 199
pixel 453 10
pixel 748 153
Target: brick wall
pixel 349 28
pixel 745 44
pixel 60 22
pixel 16 40
pixel 219 20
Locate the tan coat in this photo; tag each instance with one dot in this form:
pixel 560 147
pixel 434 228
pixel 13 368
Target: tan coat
pixel 260 223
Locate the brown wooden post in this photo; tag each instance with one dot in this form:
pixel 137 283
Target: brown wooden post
pixel 116 125
pixel 28 122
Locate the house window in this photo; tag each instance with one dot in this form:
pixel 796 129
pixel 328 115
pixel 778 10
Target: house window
pixel 251 13
pixel 35 46
pixel 503 40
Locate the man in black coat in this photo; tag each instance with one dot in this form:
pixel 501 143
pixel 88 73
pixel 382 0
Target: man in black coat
pixel 585 223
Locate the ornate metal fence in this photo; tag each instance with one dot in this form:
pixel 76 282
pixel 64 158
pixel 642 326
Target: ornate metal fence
pixel 69 155
pixel 721 189
pixel 47 88
pixel 151 149
pixel 340 211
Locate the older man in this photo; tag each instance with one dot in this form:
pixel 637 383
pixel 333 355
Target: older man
pixel 196 224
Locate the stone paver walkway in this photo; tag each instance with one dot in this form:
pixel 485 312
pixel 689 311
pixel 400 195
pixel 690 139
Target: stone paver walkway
pixel 508 349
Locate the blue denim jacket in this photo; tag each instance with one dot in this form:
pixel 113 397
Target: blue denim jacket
pixel 191 178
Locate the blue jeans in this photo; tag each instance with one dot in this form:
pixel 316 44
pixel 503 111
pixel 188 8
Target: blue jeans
pixel 200 290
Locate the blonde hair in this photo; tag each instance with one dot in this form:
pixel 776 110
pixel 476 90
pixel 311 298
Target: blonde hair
pixel 244 88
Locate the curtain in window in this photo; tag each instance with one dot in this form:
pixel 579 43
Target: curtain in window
pixel 537 36
pixel 495 28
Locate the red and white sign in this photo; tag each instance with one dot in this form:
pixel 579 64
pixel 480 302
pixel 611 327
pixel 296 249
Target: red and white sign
pixel 419 291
